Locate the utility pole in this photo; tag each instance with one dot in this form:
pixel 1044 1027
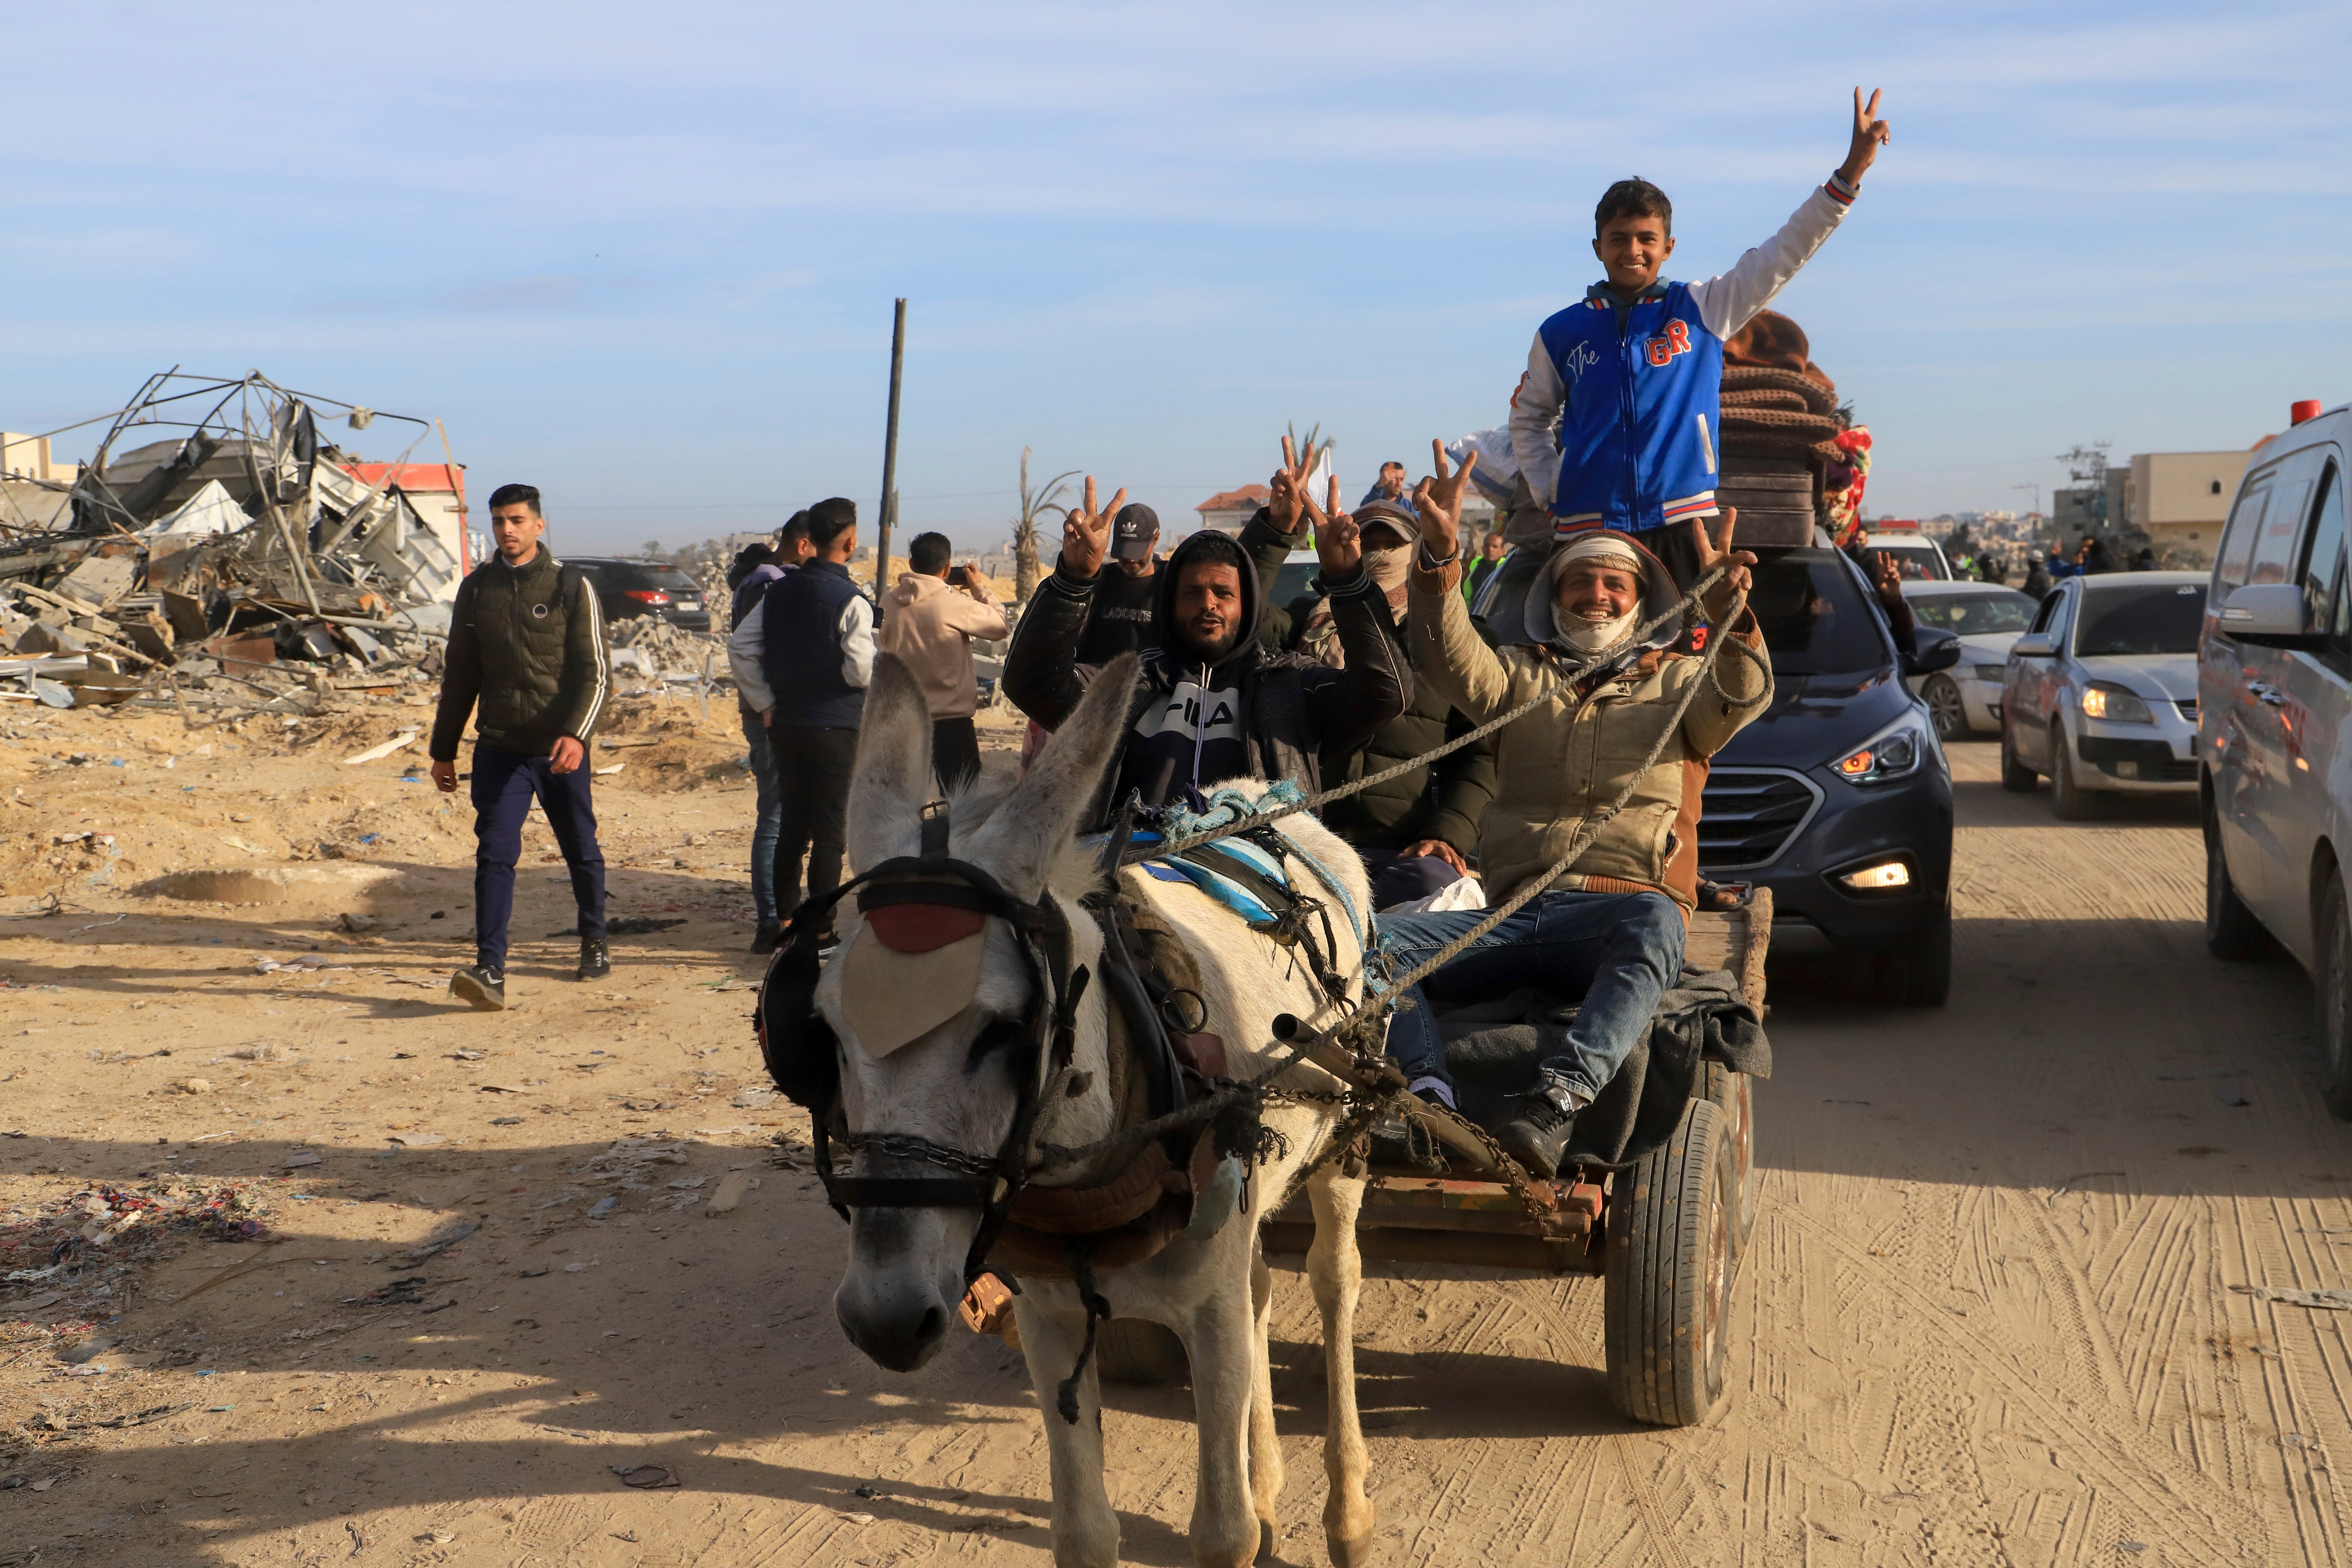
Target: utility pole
pixel 890 456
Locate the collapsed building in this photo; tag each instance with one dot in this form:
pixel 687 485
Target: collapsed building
pixel 243 539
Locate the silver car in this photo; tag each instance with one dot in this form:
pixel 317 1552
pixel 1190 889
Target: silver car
pixel 2100 693
pixel 1965 699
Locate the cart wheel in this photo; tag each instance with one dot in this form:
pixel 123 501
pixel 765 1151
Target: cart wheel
pixel 1136 1350
pixel 1669 1272
pixel 1734 1094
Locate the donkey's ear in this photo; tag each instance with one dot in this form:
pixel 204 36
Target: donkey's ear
pixel 891 780
pixel 1033 827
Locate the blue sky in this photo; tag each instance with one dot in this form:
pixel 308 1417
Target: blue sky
pixel 644 257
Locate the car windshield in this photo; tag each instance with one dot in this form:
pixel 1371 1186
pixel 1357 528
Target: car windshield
pixel 1915 558
pixel 1292 580
pixel 1969 614
pixel 1815 618
pixel 673 580
pixel 2157 618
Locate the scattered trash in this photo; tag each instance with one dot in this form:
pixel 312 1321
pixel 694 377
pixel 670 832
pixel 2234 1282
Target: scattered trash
pixel 351 922
pixel 753 1099
pixel 305 1157
pixel 2328 1300
pixel 2230 1096
pixel 506 1121
pixel 856 1518
pixel 532 1273
pixel 435 1538
pixel 576 1267
pixel 603 1207
pixel 506 1088
pixel 608 772
pixel 440 1243
pixel 732 1188
pixel 408 1292
pixel 863 1490
pixel 468 1054
pixel 375 754
pixel 90 1349
pixel 645 1476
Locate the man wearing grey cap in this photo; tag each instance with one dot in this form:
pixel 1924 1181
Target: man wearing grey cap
pixel 1120 619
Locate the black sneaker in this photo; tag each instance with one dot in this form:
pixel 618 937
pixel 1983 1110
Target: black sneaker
pixel 1538 1133
pixel 766 939
pixel 596 958
pixel 484 990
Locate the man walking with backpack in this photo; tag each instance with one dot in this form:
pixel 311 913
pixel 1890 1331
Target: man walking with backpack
pixel 526 644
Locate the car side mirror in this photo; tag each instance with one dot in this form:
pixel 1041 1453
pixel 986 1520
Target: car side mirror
pixel 1932 651
pixel 2268 614
pixel 2033 645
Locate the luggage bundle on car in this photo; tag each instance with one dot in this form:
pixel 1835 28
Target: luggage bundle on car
pixel 1779 426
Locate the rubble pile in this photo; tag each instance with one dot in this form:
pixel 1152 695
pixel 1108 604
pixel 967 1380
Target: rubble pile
pixel 243 563
pixel 651 645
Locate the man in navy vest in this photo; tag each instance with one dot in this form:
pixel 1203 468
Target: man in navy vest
pixel 1614 422
pixel 757 569
pixel 803 662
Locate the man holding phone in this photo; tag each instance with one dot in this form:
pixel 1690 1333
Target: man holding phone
pixel 526 643
pixel 929 621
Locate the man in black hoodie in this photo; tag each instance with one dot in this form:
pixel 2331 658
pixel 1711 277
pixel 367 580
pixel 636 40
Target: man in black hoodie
pixel 1214 703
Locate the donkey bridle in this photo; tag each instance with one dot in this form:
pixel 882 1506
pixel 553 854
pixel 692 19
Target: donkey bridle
pixel 989 1183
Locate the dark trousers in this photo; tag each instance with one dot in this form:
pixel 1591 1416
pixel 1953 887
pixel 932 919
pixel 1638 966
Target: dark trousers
pixel 1618 951
pixel 504 783
pixel 770 805
pixel 813 765
pixel 1675 550
pixel 955 753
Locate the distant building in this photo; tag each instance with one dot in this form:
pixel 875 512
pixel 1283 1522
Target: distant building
pixel 2082 509
pixel 28 458
pixel 2181 497
pixel 1227 510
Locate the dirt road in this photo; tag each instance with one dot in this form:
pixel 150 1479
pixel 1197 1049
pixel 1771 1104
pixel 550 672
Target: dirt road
pixel 1987 1317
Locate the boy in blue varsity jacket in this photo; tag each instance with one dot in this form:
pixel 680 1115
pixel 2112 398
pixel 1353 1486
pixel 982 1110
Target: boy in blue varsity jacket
pixel 1614 422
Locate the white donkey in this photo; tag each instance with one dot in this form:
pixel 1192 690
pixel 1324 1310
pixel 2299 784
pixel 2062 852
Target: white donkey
pixel 946 1090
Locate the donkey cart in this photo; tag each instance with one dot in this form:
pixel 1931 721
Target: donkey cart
pixel 1665 1232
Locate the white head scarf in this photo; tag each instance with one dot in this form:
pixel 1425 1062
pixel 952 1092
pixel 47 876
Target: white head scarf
pixel 1589 639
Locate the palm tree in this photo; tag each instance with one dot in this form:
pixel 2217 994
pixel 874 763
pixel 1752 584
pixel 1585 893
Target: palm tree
pixel 1033 504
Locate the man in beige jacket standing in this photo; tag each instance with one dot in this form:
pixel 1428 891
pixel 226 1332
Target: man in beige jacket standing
pixel 929 621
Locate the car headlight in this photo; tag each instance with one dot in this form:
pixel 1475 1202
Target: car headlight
pixel 1894 752
pixel 2113 703
pixel 1995 673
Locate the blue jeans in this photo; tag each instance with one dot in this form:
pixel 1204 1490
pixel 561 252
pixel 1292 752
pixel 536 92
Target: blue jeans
pixel 1617 950
pixel 504 784
pixel 769 780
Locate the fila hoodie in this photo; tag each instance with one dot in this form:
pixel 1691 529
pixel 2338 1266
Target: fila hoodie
pixel 1616 420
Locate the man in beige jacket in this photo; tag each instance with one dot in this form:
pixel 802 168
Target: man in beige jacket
pixel 1611 927
pixel 930 624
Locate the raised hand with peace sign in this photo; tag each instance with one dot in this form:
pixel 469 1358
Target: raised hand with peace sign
pixel 1439 502
pixel 1085 532
pixel 1870 134
pixel 1338 542
pixel 1289 500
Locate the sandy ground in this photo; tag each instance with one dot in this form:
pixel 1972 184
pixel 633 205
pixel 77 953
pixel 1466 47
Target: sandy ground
pixel 1987 1317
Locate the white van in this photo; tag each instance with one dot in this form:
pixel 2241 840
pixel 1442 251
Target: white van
pixel 2274 747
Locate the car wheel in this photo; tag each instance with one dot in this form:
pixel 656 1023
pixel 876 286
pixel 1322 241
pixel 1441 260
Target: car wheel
pixel 1918 974
pixel 2015 776
pixel 2231 931
pixel 1945 706
pixel 2069 800
pixel 2331 997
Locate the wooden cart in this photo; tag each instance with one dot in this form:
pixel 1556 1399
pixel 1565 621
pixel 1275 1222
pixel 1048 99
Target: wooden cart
pixel 1664 1235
